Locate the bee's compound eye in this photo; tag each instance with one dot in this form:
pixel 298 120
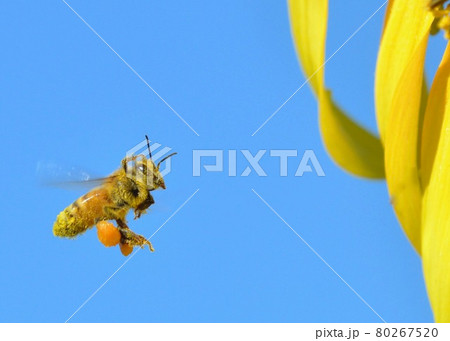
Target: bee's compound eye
pixel 141 168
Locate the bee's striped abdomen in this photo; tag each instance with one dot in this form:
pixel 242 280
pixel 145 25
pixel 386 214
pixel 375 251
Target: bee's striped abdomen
pixel 81 215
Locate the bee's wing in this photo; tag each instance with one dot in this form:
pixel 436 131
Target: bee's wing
pixel 52 174
pixel 78 185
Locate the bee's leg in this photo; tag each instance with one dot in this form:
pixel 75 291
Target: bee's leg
pixel 131 238
pixel 130 158
pixel 122 224
pixel 114 213
pixel 143 206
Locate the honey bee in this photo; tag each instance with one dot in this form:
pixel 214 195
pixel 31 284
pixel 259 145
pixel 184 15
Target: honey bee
pixel 127 188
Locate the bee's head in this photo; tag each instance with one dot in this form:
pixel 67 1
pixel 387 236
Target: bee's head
pixel 144 171
pixel 154 177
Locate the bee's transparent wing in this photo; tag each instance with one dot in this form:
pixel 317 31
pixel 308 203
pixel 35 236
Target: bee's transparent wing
pixel 76 185
pixel 52 174
pixel 58 175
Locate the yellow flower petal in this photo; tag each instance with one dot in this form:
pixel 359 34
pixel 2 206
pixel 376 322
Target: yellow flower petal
pixel 388 13
pixel 351 146
pixel 436 175
pixel 433 120
pixel 402 141
pixel 309 29
pixel 409 21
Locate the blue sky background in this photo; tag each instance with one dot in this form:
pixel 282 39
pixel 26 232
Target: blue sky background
pixel 225 66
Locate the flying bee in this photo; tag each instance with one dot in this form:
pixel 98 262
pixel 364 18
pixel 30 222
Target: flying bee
pixel 127 188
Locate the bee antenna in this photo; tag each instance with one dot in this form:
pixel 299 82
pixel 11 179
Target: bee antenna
pixel 164 159
pixel 148 146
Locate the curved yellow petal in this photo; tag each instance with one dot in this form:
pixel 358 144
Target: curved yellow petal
pixel 388 14
pixel 350 145
pixel 408 23
pixel 433 120
pixel 436 212
pixel 402 141
pixel 309 29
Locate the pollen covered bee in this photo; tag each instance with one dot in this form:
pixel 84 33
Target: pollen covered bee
pixel 128 188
